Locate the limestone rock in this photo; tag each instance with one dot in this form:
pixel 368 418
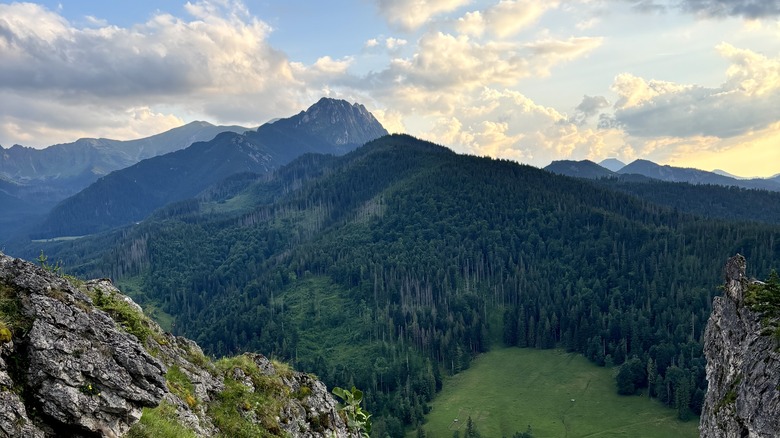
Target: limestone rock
pixel 72 369
pixel 83 372
pixel 743 366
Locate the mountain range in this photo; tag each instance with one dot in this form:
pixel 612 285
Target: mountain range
pixel 130 194
pixel 612 168
pixel 32 181
pixel 398 262
pixel 73 166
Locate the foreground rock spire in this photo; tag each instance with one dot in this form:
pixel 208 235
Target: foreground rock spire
pixel 743 366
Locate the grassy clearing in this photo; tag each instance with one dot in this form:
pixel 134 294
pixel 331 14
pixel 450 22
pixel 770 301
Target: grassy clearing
pixel 507 389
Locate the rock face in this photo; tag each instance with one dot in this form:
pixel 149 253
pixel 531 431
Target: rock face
pixel 82 360
pixel 743 366
pixel 339 122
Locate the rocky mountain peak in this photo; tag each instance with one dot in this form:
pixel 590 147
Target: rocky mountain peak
pixel 743 394
pixel 80 359
pixel 338 121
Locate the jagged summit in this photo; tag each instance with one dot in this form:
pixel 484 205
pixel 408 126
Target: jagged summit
pixel 336 121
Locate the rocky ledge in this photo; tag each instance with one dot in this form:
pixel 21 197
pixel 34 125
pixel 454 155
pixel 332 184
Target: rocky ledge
pixel 80 359
pixel 743 366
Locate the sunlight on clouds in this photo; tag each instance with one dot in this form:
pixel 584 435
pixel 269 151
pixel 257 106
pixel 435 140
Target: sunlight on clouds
pixel 28 21
pixel 130 123
pixel 745 102
pixel 507 124
pixel 199 66
pixel 751 73
pixel 505 18
pixel 392 120
pixel 411 14
pixel 551 52
pixel 634 91
pixel 444 60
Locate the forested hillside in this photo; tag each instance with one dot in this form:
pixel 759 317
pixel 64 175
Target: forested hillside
pixel 401 260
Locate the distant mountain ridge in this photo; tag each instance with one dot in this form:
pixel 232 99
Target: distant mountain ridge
pixel 99 156
pixel 694 176
pixel 651 170
pixel 129 195
pixel 32 181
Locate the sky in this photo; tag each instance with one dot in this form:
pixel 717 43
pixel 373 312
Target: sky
pixel 691 83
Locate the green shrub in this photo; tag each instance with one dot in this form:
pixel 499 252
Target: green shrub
pixel 764 298
pixel 5 333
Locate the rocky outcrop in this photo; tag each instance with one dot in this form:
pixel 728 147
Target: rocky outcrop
pixel 81 359
pixel 743 366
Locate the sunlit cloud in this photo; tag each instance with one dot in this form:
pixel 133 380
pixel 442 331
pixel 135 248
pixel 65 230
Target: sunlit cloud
pixel 199 67
pixel 411 14
pixel 505 18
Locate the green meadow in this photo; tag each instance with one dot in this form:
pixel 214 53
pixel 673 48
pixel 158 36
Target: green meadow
pixel 558 394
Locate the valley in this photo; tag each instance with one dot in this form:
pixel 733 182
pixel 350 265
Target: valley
pixel 398 265
pixel 392 266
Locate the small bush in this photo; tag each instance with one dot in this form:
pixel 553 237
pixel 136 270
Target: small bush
pixel 5 333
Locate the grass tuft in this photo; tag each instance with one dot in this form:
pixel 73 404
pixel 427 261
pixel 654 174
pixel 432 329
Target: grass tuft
pixel 160 422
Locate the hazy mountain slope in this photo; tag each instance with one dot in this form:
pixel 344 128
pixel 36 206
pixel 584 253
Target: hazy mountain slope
pixel 131 194
pixel 99 156
pixel 40 178
pixel 612 164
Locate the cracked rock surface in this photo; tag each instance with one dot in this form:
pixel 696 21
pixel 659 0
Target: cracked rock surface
pixel 743 366
pixel 68 368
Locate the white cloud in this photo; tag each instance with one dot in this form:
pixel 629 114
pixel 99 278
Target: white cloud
pixel 217 65
pixel 745 102
pixel 392 44
pixel 505 18
pixel 411 14
pixel 444 61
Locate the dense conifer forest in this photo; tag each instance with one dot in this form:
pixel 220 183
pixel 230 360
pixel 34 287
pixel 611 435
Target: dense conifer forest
pixel 396 264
